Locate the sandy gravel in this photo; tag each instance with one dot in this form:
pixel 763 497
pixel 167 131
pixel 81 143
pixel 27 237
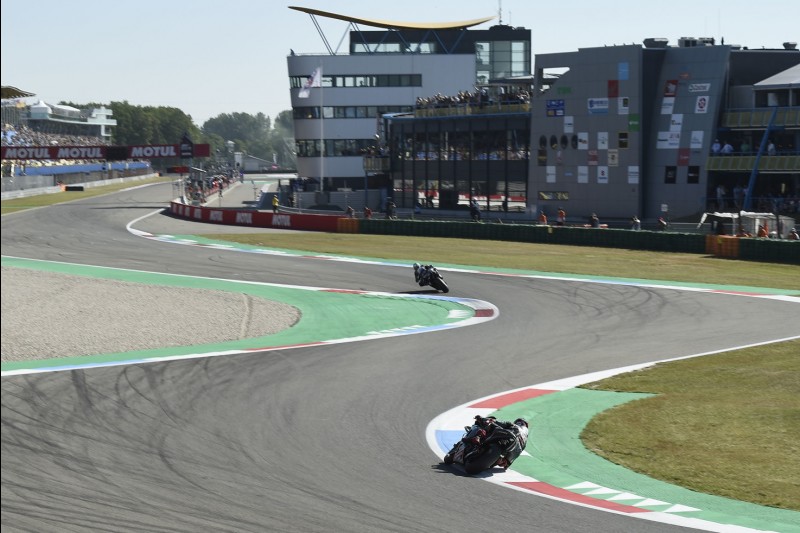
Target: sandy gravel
pixel 49 315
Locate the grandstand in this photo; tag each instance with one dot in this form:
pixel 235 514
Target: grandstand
pixel 43 124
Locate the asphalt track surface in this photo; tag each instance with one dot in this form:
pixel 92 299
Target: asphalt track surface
pixel 319 438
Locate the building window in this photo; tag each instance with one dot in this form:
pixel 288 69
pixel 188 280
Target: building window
pixel 359 80
pixel 693 177
pixel 542 142
pixel 670 174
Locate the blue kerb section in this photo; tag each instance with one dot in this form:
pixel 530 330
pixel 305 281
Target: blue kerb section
pixel 447 438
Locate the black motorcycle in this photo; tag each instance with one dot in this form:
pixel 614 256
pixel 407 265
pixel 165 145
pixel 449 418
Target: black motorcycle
pixel 431 276
pixel 483 446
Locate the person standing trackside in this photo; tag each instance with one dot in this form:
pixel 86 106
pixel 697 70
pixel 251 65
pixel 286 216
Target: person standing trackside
pixel 561 219
pixel 275 203
pixel 636 224
pixel 542 218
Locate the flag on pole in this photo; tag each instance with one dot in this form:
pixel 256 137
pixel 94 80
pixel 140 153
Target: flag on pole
pixel 315 80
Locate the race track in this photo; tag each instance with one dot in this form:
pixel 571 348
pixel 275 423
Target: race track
pixel 318 439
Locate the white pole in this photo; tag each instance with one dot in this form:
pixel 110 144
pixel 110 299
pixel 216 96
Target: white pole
pixel 321 128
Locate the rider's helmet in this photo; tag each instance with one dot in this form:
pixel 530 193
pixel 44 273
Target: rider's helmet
pixel 416 266
pixel 521 422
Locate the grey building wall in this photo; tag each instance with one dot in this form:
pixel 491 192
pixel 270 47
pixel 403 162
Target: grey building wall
pixel 589 112
pixel 683 127
pixel 665 101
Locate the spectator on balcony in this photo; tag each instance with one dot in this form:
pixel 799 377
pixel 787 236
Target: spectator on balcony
pixel 738 196
pixel 727 148
pixel 721 197
pixel 771 148
pixel 716 147
pixel 745 147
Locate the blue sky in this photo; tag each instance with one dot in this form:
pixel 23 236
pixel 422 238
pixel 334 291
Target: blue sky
pixel 208 58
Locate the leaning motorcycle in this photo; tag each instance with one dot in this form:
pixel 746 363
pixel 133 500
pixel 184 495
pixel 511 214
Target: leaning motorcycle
pixel 435 279
pixel 482 446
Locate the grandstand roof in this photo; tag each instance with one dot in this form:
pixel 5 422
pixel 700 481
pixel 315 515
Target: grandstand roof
pixel 13 92
pixel 394 25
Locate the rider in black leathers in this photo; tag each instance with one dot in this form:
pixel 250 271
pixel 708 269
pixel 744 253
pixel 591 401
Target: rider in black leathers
pixel 421 273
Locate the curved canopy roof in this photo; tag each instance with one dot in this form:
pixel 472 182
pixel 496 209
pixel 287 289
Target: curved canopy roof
pixel 394 25
pixel 13 92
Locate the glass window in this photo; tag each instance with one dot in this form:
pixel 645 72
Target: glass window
pixel 670 174
pixel 694 175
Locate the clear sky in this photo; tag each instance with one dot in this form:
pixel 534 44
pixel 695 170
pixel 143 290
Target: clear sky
pixel 228 56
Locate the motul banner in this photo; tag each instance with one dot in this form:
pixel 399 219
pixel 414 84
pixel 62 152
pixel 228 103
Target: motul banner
pixel 149 151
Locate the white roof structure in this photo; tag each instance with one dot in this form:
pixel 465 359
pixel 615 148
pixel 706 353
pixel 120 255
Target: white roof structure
pixel 782 80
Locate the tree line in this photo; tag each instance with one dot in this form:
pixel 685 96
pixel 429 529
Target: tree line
pixel 255 135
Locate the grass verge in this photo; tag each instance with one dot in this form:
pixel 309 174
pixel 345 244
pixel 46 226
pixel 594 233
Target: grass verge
pixel 42 200
pixel 725 424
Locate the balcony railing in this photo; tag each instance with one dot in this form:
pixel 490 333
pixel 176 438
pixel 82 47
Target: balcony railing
pixel 745 163
pixel 785 117
pixel 472 109
pixel 376 164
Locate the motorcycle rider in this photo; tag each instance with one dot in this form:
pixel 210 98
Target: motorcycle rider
pixel 520 429
pixel 421 273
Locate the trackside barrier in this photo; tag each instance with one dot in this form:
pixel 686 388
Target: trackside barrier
pixel 254 218
pixel 767 250
pixel 347 225
pixel 753 249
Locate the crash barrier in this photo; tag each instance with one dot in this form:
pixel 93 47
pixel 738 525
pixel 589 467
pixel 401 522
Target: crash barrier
pixel 255 218
pixel 753 249
pixel 722 246
pixel 348 225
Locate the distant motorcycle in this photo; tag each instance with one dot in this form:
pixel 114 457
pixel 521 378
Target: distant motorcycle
pixel 483 446
pixel 430 275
